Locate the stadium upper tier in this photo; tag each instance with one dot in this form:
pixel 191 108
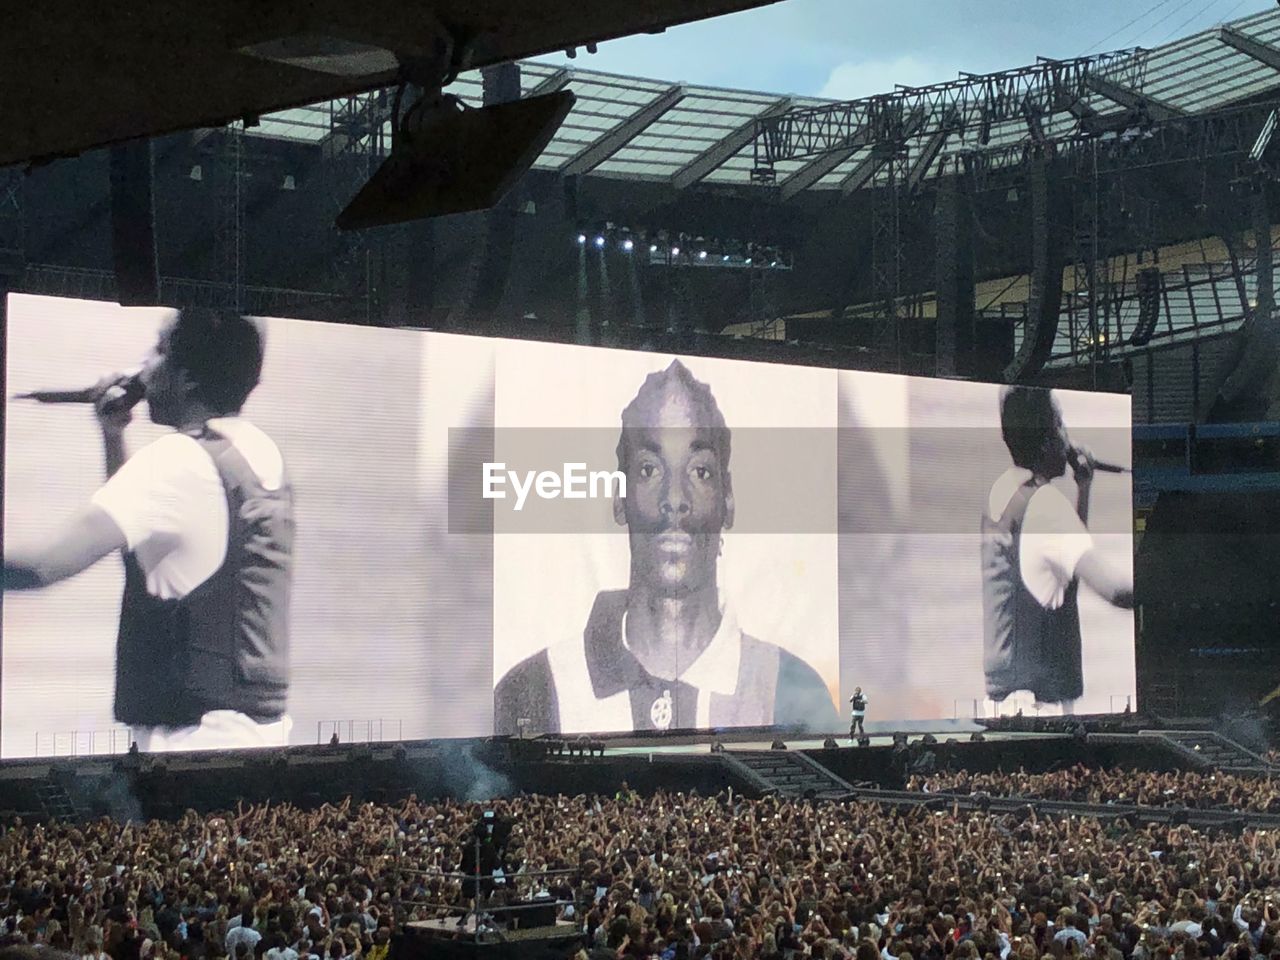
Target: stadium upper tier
pixel 683 134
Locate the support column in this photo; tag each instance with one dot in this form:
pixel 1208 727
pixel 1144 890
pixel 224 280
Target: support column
pixel 953 222
pixel 133 223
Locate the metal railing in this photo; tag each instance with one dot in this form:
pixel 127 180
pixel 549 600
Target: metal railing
pixel 83 743
pixel 374 730
pixel 978 708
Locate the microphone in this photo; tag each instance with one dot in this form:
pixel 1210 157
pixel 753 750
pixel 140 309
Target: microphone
pixel 1103 467
pixel 1099 466
pixel 122 395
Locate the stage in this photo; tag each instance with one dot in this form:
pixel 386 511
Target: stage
pixel 701 743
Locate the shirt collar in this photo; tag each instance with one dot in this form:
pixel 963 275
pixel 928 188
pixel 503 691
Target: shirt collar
pixel 613 668
pixel 716 668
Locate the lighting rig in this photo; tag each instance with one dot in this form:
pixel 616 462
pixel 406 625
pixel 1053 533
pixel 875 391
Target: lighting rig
pixel 662 248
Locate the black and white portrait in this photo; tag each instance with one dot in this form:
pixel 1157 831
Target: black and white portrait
pixel 704 597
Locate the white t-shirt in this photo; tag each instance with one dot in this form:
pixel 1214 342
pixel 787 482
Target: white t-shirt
pixel 237 935
pixel 1053 536
pixel 168 501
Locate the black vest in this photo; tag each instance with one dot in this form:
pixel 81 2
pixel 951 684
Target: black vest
pixel 858 703
pixel 1026 646
pixel 224 646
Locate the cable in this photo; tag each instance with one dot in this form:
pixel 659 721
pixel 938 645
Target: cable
pixel 1227 16
pixel 1170 15
pixel 1113 33
pixel 1178 29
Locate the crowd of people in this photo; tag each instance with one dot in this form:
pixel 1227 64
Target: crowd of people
pixel 672 876
pixel 1082 784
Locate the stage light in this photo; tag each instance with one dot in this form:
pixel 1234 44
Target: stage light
pixel 748 261
pixel 725 258
pixel 599 243
pixel 773 263
pixel 702 254
pixel 582 238
pixel 628 245
pixel 653 248
pixel 675 251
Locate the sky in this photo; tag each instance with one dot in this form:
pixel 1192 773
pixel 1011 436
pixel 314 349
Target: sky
pixel 846 49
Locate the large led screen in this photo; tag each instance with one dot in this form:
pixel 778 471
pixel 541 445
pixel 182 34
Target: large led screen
pixel 371 629
pixel 403 535
pixel 986 545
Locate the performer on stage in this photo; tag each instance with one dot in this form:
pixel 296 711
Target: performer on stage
pixel 1036 548
pixel 667 651
pixel 857 712
pixel 204 520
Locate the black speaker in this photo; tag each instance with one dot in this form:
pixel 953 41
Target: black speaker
pixel 864 741
pixel 830 744
pixel 1047 262
pixel 1148 284
pixel 133 223
pixel 777 745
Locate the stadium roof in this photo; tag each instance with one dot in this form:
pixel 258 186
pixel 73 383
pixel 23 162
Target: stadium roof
pixel 682 134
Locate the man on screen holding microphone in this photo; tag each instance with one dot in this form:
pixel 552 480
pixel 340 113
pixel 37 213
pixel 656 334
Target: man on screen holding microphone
pixel 204 520
pixel 1036 549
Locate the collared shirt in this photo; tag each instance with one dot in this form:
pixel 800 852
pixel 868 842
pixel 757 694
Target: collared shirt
pixel 596 683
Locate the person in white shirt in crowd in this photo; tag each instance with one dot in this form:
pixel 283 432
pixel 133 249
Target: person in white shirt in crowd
pixel 242 934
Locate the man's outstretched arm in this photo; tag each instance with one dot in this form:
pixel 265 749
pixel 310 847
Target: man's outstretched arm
pixel 1106 580
pixel 78 545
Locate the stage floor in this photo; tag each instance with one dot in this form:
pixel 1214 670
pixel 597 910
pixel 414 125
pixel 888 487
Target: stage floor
pixel 731 744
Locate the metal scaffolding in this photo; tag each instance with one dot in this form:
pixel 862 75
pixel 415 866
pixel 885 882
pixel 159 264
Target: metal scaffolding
pixel 971 106
pixel 355 146
pixel 228 232
pixel 12 225
pixel 1110 216
pixel 83 283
